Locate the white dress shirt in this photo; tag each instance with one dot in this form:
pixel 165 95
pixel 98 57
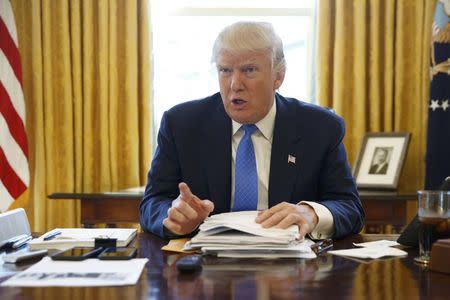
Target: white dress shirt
pixel 262 143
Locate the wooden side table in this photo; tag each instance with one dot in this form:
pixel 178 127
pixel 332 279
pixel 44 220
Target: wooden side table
pixel 110 208
pixel 386 211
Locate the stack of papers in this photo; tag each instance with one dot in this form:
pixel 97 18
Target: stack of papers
pixel 82 237
pixel 236 234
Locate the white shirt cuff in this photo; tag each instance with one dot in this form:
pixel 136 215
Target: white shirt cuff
pixel 325 225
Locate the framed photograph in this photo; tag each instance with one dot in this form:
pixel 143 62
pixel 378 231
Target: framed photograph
pixel 380 160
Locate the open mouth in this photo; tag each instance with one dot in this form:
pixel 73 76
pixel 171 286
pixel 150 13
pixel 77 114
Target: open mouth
pixel 238 101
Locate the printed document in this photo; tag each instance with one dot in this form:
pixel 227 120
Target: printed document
pixel 89 272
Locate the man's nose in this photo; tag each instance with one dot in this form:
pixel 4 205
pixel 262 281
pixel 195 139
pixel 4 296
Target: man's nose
pixel 236 82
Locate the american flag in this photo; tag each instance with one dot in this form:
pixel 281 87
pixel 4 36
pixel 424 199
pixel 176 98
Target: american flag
pixel 438 138
pixel 14 172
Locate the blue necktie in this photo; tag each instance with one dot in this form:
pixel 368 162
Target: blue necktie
pixel 246 179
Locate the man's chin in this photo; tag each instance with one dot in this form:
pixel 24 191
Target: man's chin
pixel 243 120
pixel 242 117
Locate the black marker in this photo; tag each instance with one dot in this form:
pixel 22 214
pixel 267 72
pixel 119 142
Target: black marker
pixel 52 235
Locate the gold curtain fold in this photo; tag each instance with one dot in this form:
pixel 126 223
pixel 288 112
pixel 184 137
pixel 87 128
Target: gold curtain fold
pixel 373 69
pixel 86 69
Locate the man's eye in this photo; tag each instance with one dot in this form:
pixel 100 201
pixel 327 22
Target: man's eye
pixel 224 70
pixel 250 70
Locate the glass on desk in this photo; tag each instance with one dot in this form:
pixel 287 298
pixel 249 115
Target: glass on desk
pixel 433 209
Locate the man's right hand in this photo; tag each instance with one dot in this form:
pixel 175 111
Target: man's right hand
pixel 187 212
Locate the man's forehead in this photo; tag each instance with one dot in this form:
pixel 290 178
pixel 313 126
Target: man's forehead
pixel 242 57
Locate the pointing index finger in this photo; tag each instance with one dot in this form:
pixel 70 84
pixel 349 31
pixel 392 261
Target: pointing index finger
pixel 187 196
pixel 185 192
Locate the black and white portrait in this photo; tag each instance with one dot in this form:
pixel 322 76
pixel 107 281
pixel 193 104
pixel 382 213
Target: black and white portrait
pixel 380 160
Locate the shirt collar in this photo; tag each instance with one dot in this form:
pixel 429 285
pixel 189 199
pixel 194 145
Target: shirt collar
pixel 265 125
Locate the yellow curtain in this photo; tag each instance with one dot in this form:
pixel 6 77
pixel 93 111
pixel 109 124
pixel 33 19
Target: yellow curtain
pixel 86 85
pixel 373 69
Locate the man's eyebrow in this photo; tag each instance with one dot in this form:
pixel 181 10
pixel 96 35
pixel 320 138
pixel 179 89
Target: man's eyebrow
pixel 243 65
pixel 249 64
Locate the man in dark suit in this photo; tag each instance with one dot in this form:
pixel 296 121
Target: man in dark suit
pixel 298 162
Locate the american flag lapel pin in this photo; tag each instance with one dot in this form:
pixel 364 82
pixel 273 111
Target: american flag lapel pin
pixel 291 159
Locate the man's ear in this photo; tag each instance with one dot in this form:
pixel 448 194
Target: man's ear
pixel 279 78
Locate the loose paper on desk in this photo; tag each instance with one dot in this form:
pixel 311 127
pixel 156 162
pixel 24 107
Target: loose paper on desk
pixel 82 237
pixel 385 243
pixel 236 234
pixel 89 272
pixel 370 252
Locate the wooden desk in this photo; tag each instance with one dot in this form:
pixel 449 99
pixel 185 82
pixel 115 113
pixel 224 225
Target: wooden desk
pixel 382 208
pixel 327 277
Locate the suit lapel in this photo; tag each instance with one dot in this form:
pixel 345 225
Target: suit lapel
pixel 284 159
pixel 217 157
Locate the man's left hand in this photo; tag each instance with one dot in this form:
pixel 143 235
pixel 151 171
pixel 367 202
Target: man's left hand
pixel 286 214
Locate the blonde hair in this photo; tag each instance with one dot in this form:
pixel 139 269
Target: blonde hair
pixel 251 36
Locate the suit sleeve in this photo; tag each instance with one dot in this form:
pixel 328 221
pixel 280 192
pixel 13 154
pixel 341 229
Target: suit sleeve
pixel 162 182
pixel 338 190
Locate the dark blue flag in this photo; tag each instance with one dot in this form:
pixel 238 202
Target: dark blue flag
pixel 438 142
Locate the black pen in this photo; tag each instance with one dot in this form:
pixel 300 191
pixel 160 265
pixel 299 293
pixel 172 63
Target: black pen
pixel 322 246
pixel 52 235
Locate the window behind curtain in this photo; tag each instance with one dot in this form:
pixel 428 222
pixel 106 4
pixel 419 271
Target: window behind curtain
pixel 183 36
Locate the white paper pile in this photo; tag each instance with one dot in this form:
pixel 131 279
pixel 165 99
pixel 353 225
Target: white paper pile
pixel 236 234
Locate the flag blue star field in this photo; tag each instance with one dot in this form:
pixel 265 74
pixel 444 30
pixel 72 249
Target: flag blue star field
pixel 438 140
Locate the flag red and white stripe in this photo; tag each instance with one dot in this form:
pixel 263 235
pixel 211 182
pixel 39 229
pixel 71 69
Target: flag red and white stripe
pixel 14 172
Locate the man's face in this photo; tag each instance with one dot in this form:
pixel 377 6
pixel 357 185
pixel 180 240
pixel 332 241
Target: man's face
pixel 247 84
pixel 380 156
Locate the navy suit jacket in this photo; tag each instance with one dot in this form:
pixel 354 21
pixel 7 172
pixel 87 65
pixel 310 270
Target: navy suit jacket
pixel 194 146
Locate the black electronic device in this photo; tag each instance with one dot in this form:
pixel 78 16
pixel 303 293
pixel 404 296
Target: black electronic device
pixel 190 263
pixel 118 253
pixel 77 253
pixel 445 186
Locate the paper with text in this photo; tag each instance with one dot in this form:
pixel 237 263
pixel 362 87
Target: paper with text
pixel 90 272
